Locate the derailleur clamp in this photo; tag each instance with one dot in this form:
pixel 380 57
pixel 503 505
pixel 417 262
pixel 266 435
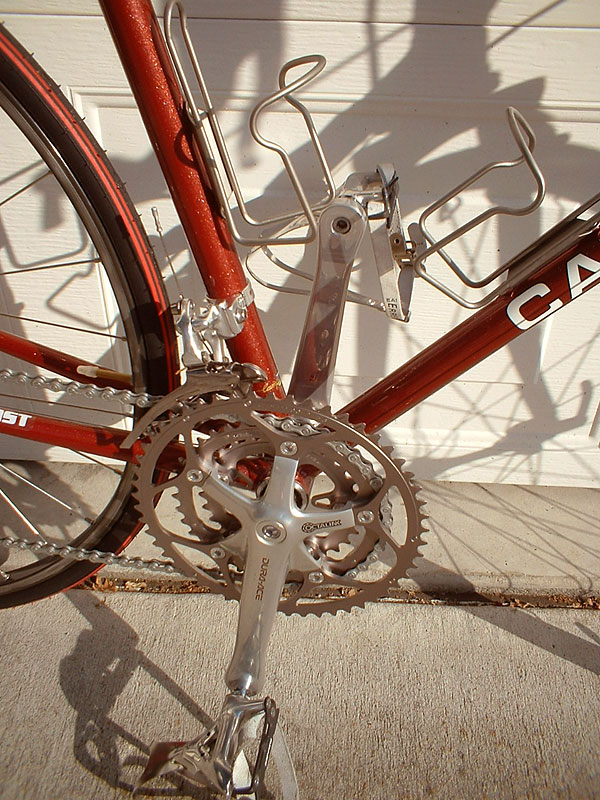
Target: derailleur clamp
pixel 204 326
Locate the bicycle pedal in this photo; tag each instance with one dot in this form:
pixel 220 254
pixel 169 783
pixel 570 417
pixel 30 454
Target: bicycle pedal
pixel 197 761
pixel 185 758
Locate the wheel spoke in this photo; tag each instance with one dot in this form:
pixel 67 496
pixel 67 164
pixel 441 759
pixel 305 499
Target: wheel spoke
pixel 80 299
pixel 49 495
pixel 21 516
pixel 94 460
pixel 59 265
pixel 73 328
pixel 25 188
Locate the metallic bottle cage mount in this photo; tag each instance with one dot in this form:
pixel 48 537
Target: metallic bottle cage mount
pixel 409 254
pixel 525 139
pixel 206 127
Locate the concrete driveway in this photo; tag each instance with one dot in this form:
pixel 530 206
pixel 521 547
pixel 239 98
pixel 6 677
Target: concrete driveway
pixel 399 700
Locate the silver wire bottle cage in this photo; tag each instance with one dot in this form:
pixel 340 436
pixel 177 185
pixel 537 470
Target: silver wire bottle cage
pixel 409 253
pixel 210 139
pixel 424 245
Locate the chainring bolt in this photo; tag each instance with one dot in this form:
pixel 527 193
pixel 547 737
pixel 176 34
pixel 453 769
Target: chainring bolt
pixel 365 516
pixel 217 553
pixel 270 531
pixel 315 577
pixel 194 476
pixel 288 448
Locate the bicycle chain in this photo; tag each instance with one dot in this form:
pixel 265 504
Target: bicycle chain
pixel 88 390
pixel 81 554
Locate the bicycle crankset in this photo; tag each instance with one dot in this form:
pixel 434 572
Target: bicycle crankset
pixel 282 470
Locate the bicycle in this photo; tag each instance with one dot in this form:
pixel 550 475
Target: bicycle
pixel 257 494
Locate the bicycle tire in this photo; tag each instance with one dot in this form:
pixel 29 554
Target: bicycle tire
pixel 131 296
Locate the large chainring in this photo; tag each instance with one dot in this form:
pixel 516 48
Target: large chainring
pixel 358 512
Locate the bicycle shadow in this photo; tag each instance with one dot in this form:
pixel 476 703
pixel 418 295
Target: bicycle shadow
pixel 522 437
pixel 521 440
pixel 583 651
pixel 523 543
pixel 101 666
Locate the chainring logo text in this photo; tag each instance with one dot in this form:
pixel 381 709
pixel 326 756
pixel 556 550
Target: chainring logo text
pixel 309 527
pixel 262 577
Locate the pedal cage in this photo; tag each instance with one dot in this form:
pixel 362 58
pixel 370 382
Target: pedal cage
pixel 216 758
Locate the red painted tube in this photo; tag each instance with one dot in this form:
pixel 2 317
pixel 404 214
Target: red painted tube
pixel 552 286
pixel 92 439
pixel 95 440
pixel 146 62
pixel 61 363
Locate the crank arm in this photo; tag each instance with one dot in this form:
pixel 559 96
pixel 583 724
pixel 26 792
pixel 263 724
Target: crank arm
pixel 264 577
pixel 215 759
pixel 341 228
pixel 211 759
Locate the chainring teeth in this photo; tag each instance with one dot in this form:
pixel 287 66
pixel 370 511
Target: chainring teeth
pixel 230 431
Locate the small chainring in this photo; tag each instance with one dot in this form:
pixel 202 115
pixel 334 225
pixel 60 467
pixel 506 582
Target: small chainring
pixel 228 451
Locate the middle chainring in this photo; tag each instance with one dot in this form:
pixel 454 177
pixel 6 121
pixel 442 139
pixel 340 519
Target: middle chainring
pixel 227 451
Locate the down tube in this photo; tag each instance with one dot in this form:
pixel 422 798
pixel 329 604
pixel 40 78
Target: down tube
pixel 140 44
pixel 544 292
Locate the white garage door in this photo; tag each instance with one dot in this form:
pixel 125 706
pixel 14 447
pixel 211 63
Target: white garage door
pixel 424 84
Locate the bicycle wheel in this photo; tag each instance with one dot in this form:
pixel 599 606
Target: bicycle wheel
pixel 77 274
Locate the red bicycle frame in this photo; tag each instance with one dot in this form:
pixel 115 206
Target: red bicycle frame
pixel 567 259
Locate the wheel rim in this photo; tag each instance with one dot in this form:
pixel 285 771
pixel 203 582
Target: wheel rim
pixel 77 262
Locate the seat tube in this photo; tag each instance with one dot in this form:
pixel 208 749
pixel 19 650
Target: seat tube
pixel 140 44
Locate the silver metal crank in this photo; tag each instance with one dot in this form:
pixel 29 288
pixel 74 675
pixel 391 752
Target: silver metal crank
pixel 341 228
